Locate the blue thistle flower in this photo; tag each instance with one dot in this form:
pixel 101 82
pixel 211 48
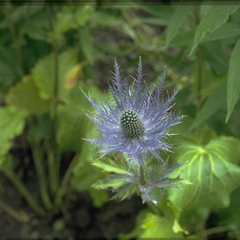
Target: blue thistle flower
pixel 137 121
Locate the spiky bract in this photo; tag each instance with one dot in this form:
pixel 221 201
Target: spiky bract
pixel 137 121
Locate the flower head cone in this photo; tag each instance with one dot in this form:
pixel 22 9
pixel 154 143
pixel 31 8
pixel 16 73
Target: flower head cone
pixel 136 122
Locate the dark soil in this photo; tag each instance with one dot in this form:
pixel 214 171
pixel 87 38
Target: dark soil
pixel 82 219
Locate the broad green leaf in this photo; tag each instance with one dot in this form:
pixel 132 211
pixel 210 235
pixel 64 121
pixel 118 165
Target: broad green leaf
pixel 159 227
pixel 213 173
pixel 178 19
pixel 227 30
pixel 25 96
pixel 233 84
pixel 44 73
pixel 212 105
pixel 214 18
pixel 72 127
pixel 12 123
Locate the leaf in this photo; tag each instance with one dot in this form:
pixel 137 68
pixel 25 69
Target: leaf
pixel 213 174
pixel 212 104
pixel 178 19
pixel 106 19
pixel 233 84
pixel 72 127
pixel 84 175
pixel 214 18
pixel 214 53
pixel 109 166
pixel 10 70
pixel 183 39
pixel 227 30
pixel 86 44
pixel 12 123
pixel 231 214
pixel 159 227
pixel 25 96
pixel 44 73
pixel 71 17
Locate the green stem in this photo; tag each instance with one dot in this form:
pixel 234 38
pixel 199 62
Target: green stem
pixel 39 164
pixel 21 217
pixel 65 181
pixel 13 177
pixel 54 163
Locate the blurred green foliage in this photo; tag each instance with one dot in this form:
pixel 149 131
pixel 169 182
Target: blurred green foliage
pixel 49 51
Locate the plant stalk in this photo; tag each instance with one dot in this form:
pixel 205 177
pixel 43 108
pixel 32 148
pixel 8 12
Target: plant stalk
pixel 17 182
pixel 65 181
pixel 54 164
pixel 39 164
pixel 19 216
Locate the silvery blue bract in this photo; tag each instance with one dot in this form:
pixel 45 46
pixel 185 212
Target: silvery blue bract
pixel 136 123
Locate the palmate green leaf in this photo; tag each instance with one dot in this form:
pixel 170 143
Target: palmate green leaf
pixel 44 73
pixel 233 85
pixel 214 18
pixel 213 173
pixel 25 96
pixel 178 19
pixel 212 105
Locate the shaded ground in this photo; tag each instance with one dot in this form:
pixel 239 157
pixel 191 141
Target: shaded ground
pixel 82 220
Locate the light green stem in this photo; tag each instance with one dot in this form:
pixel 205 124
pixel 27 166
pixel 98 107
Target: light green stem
pixel 13 177
pixel 39 164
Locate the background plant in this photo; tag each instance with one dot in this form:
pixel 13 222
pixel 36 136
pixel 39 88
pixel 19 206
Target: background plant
pixel 48 51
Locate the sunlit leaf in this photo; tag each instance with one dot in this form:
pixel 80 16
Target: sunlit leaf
pixel 25 96
pixel 12 123
pixel 159 227
pixel 44 73
pixel 213 173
